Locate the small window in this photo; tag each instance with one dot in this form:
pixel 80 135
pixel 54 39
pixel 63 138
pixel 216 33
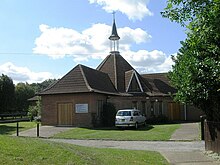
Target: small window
pixel 99 107
pixel 135 113
pixel 134 104
pixel 124 113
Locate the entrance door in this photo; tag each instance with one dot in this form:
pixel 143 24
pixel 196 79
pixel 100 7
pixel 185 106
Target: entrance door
pixel 174 111
pixel 65 114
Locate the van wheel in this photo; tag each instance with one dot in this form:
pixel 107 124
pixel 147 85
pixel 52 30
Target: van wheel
pixel 136 126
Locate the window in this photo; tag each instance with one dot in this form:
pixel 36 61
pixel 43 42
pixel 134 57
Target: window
pixel 99 107
pixel 134 104
pixel 124 113
pixel 160 107
pixel 135 113
pixel 152 108
pixel 143 106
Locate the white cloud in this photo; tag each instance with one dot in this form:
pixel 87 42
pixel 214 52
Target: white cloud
pixel 90 43
pixel 134 9
pixel 146 58
pixel 93 43
pixel 23 74
pixel 164 64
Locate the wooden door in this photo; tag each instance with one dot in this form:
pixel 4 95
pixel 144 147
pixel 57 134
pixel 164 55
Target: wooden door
pixel 65 114
pixel 174 111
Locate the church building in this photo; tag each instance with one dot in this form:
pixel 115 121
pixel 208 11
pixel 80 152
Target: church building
pixel 77 98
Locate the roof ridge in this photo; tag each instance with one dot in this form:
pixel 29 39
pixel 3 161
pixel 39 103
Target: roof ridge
pixel 84 76
pixel 52 85
pixel 116 73
pixel 103 62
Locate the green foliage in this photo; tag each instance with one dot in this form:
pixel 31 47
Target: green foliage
pixel 7 91
pixel 35 110
pixel 38 87
pixel 150 132
pixel 109 112
pixel 37 151
pixel 161 119
pixel 196 73
pixel 23 91
pixel 15 98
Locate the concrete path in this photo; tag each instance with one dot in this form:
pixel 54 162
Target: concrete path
pixel 187 131
pixel 44 131
pixel 184 148
pixel 139 145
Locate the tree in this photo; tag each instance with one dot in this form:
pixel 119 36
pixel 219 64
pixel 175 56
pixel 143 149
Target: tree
pixel 23 91
pixel 196 73
pixel 38 87
pixel 7 91
pixel 35 110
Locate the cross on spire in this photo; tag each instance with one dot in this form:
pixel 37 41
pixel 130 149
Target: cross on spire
pixel 113 14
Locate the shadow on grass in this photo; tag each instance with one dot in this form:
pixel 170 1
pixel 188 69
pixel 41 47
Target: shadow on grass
pixel 8 130
pixel 141 128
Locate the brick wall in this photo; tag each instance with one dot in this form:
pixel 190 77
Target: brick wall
pixel 50 102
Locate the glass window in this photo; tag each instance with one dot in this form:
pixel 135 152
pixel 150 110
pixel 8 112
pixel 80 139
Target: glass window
pixel 134 104
pixel 135 113
pixel 99 107
pixel 124 113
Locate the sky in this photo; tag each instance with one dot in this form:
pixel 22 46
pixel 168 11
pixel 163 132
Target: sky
pixel 42 40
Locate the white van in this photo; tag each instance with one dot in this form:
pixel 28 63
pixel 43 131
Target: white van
pixel 129 118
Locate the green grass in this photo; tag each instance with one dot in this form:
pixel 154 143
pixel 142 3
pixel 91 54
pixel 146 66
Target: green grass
pixel 11 128
pixel 151 132
pixel 24 151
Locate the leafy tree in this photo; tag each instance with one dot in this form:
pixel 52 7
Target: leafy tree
pixel 35 110
pixel 38 87
pixel 7 91
pixel 196 73
pixel 23 91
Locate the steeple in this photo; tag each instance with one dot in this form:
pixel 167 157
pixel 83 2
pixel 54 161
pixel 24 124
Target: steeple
pixel 114 38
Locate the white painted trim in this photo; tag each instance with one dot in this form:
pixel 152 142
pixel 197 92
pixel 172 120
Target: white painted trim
pixel 130 81
pixel 138 82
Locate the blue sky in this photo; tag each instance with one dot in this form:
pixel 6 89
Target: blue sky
pixel 45 39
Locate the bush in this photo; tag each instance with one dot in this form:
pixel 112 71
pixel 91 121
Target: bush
pixel 109 112
pixel 157 120
pixel 34 111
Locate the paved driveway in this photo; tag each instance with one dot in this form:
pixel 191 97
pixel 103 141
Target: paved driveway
pixel 184 148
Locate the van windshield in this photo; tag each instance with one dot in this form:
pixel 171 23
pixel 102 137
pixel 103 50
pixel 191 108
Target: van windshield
pixel 124 113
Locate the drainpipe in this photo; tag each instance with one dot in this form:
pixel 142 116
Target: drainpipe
pixel 185 111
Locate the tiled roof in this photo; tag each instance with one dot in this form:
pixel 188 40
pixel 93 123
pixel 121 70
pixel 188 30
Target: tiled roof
pixel 159 83
pixel 82 79
pixel 115 66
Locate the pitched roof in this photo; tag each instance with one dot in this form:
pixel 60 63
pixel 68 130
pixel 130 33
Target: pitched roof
pixel 159 83
pixel 82 79
pixel 115 66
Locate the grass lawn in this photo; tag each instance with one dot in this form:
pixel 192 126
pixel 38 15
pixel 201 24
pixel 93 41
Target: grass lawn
pixel 23 151
pixel 150 132
pixel 10 128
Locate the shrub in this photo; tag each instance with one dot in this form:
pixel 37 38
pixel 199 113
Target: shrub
pixel 157 120
pixel 109 112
